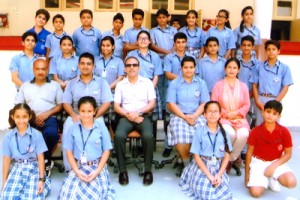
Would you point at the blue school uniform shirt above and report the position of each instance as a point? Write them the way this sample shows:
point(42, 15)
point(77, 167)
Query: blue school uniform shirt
point(211, 72)
point(226, 39)
point(65, 68)
point(31, 144)
point(172, 63)
point(131, 34)
point(202, 145)
point(98, 142)
point(187, 96)
point(40, 47)
point(271, 80)
point(22, 64)
point(53, 43)
point(246, 70)
point(150, 65)
point(118, 51)
point(87, 41)
point(97, 88)
point(253, 31)
point(195, 38)
point(113, 67)
point(164, 38)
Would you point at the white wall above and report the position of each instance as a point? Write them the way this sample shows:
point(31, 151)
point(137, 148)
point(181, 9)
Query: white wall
point(290, 115)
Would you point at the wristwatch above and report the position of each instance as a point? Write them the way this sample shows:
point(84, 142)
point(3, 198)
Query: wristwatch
point(140, 112)
point(42, 179)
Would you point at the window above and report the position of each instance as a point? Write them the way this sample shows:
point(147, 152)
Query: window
point(284, 10)
point(115, 5)
point(173, 6)
point(62, 4)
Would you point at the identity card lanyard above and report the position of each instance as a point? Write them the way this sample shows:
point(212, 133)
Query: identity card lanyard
point(83, 155)
point(213, 159)
point(29, 150)
point(105, 65)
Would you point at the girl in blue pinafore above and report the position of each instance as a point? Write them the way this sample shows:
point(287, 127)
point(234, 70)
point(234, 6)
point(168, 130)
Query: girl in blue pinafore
point(205, 177)
point(87, 147)
point(24, 145)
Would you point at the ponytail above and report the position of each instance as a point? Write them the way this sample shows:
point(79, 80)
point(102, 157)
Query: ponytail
point(224, 136)
point(242, 26)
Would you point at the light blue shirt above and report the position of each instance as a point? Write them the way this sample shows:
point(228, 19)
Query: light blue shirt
point(202, 145)
point(41, 41)
point(196, 37)
point(246, 70)
point(98, 142)
point(109, 69)
point(271, 80)
point(31, 144)
point(253, 31)
point(65, 68)
point(150, 65)
point(164, 38)
point(187, 96)
point(87, 41)
point(53, 43)
point(97, 88)
point(226, 39)
point(172, 63)
point(131, 34)
point(22, 64)
point(118, 51)
point(211, 72)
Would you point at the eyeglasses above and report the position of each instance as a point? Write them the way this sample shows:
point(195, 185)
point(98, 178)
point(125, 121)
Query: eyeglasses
point(132, 65)
point(143, 39)
point(221, 16)
point(213, 112)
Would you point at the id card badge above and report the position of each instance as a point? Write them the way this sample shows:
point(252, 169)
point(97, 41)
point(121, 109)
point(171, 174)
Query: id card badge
point(103, 74)
point(83, 158)
point(213, 160)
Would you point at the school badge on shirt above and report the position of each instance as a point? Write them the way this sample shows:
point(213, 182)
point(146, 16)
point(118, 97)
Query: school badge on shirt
point(95, 94)
point(280, 147)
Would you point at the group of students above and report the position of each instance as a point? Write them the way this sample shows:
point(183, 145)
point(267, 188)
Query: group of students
point(207, 81)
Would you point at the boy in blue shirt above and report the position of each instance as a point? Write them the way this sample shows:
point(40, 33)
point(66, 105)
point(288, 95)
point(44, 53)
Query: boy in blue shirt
point(41, 18)
point(271, 79)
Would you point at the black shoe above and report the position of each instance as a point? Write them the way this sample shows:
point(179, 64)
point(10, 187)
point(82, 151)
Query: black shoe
point(148, 178)
point(123, 178)
point(237, 169)
point(48, 167)
point(167, 152)
point(180, 168)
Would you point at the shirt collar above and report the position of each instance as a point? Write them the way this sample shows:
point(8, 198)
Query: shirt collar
point(207, 58)
point(208, 130)
point(167, 28)
point(28, 130)
point(47, 80)
point(111, 33)
point(181, 79)
point(92, 28)
point(59, 36)
point(138, 80)
point(78, 79)
point(148, 53)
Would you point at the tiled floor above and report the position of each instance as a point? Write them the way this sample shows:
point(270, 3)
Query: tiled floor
point(165, 184)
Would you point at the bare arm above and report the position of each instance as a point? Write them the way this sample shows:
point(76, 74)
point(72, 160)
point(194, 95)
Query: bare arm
point(130, 47)
point(113, 84)
point(203, 167)
point(158, 49)
point(15, 79)
point(40, 118)
point(81, 175)
point(41, 165)
point(68, 108)
point(247, 163)
point(255, 96)
point(102, 109)
point(282, 93)
point(155, 80)
point(101, 165)
point(228, 54)
point(170, 76)
point(5, 172)
point(202, 52)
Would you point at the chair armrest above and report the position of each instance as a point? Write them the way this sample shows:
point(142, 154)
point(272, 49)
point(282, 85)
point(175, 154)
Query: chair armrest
point(252, 119)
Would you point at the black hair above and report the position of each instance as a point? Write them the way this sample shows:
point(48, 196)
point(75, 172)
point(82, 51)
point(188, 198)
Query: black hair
point(220, 125)
point(273, 42)
point(234, 59)
point(141, 32)
point(175, 20)
point(87, 55)
point(66, 37)
point(119, 16)
point(180, 35)
point(162, 11)
point(242, 13)
point(227, 24)
point(84, 11)
point(29, 33)
point(43, 12)
point(109, 38)
point(87, 99)
point(137, 11)
point(248, 38)
point(131, 57)
point(58, 16)
point(194, 12)
point(18, 107)
point(188, 59)
point(275, 105)
point(212, 39)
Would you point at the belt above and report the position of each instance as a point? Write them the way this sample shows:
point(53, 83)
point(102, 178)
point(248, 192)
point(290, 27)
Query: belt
point(266, 95)
point(29, 160)
point(210, 157)
point(89, 163)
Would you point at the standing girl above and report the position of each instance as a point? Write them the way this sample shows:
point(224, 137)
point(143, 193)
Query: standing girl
point(205, 177)
point(247, 28)
point(87, 147)
point(64, 66)
point(25, 146)
point(224, 34)
point(195, 35)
